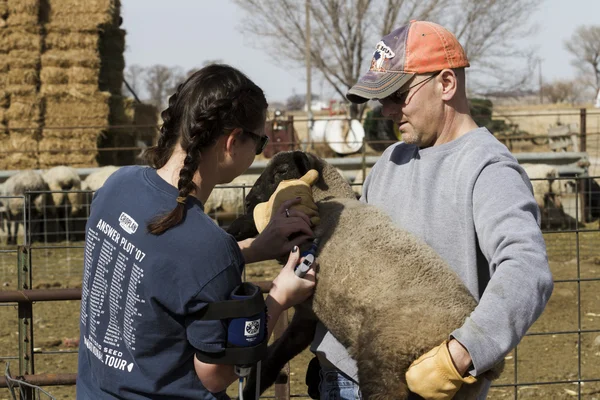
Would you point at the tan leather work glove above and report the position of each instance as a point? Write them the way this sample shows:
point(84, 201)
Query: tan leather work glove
point(287, 190)
point(433, 376)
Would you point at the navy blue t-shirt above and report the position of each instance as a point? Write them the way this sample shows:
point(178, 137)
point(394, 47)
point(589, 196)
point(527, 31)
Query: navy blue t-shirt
point(138, 338)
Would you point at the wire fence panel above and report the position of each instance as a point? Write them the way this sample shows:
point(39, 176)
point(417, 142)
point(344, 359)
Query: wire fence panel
point(559, 358)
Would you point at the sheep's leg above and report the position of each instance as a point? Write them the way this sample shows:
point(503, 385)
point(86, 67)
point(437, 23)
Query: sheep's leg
point(294, 340)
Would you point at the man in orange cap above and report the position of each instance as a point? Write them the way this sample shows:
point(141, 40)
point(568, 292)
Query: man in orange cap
point(452, 184)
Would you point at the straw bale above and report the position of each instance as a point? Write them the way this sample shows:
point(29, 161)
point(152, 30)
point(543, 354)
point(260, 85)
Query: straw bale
point(72, 130)
point(90, 111)
point(74, 160)
point(77, 90)
point(82, 22)
point(54, 76)
point(83, 75)
point(3, 8)
point(23, 59)
point(71, 58)
point(3, 63)
point(60, 7)
point(18, 160)
point(21, 90)
point(2, 22)
point(20, 39)
point(84, 144)
point(23, 142)
point(23, 6)
point(24, 109)
point(73, 134)
point(3, 79)
point(4, 100)
point(22, 19)
point(60, 40)
point(2, 116)
point(28, 76)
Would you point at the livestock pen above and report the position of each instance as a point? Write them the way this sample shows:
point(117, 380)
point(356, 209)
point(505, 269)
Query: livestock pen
point(41, 281)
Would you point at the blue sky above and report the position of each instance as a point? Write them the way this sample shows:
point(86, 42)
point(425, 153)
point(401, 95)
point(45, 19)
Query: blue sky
point(188, 32)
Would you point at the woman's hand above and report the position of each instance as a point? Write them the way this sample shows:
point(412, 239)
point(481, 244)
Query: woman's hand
point(281, 234)
point(288, 289)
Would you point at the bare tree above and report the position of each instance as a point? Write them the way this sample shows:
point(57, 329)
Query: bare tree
point(562, 91)
point(161, 81)
point(585, 46)
point(344, 32)
point(134, 74)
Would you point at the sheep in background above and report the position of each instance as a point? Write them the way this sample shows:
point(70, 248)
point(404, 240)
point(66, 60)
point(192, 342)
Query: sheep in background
point(41, 203)
point(96, 179)
point(391, 280)
point(230, 199)
point(61, 179)
point(546, 191)
point(3, 215)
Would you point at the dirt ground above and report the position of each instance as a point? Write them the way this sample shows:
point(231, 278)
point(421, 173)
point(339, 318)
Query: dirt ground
point(541, 358)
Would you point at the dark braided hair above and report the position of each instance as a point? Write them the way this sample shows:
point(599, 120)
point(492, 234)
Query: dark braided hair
point(212, 101)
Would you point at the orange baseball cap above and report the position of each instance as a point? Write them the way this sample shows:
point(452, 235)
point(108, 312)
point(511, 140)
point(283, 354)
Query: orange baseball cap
point(416, 48)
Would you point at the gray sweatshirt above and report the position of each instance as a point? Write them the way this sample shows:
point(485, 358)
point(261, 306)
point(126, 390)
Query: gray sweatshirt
point(471, 201)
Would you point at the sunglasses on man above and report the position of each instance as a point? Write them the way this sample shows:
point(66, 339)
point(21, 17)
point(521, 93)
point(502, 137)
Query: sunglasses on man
point(400, 96)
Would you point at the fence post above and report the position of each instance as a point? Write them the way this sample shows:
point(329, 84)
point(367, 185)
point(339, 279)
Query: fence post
point(282, 384)
point(290, 129)
point(25, 312)
point(582, 129)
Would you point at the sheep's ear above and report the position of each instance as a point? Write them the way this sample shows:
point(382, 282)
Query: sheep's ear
point(302, 162)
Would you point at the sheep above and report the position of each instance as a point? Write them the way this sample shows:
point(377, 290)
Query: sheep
point(96, 179)
point(229, 199)
point(546, 191)
point(375, 283)
point(17, 185)
point(60, 180)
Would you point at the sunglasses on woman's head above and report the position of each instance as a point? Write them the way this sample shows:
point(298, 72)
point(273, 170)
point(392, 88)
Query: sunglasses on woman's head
point(260, 140)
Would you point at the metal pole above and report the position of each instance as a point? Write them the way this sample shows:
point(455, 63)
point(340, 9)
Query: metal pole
point(308, 72)
point(25, 315)
point(583, 129)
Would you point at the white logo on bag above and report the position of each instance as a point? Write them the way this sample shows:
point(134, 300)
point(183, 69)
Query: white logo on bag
point(252, 328)
point(128, 223)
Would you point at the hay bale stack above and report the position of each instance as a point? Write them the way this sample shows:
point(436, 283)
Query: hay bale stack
point(81, 73)
point(23, 118)
point(21, 107)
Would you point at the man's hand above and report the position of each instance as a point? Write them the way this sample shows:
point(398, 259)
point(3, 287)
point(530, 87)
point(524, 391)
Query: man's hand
point(288, 190)
point(434, 375)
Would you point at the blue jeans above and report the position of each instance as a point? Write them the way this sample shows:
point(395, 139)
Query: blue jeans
point(335, 385)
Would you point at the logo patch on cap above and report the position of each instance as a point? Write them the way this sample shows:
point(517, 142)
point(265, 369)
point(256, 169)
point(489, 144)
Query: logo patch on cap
point(382, 53)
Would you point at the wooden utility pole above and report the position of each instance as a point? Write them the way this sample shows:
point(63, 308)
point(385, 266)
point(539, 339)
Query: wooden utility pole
point(308, 72)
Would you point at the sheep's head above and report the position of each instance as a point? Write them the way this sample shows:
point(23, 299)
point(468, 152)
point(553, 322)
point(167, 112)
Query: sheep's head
point(284, 166)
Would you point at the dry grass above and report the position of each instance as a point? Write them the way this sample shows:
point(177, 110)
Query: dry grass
point(4, 99)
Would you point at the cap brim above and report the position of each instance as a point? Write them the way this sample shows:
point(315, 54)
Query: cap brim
point(377, 85)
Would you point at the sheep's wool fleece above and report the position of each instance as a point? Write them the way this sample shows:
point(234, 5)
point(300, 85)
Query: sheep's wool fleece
point(471, 201)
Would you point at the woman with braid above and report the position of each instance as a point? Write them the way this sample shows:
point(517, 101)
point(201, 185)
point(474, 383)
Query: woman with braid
point(153, 258)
